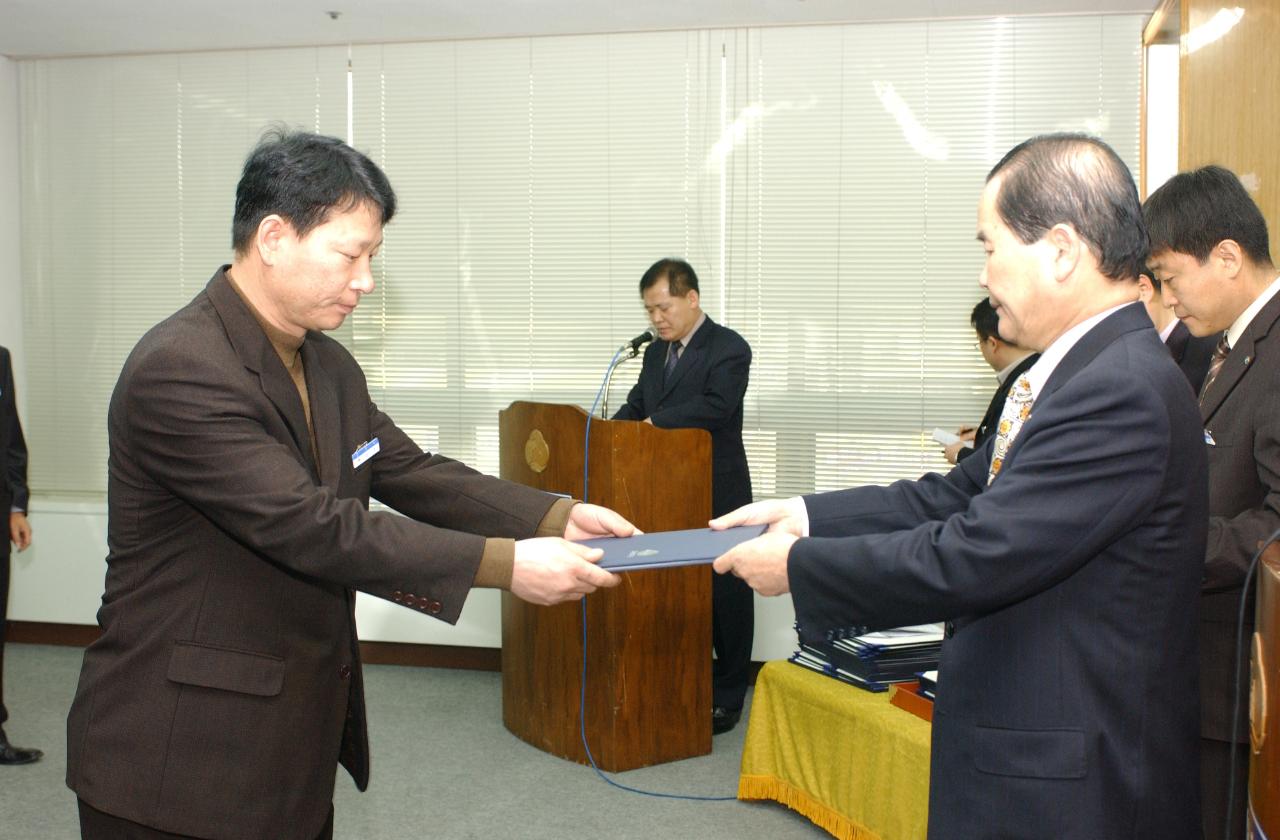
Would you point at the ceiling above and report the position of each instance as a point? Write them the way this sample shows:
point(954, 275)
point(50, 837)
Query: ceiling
point(40, 28)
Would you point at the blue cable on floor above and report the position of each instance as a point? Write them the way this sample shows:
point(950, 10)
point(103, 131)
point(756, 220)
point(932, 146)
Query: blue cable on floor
point(582, 682)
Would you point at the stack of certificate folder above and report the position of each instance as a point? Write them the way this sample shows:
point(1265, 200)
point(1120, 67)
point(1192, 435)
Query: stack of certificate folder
point(873, 660)
point(928, 685)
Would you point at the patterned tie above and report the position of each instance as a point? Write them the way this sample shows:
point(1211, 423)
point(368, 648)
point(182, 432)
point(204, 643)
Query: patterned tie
point(673, 356)
point(1220, 352)
point(1016, 411)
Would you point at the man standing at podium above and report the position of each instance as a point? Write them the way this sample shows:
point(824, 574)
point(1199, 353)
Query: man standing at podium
point(695, 376)
point(1067, 552)
point(1211, 251)
point(226, 687)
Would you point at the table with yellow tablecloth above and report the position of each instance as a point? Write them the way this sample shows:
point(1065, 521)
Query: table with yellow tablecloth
point(845, 758)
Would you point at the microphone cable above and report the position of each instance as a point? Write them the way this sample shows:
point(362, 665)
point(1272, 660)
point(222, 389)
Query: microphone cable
point(1235, 713)
point(582, 677)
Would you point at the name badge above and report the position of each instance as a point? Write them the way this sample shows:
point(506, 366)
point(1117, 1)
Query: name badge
point(366, 451)
point(1208, 438)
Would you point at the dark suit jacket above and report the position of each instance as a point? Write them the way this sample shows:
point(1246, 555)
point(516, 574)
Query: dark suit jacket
point(13, 448)
point(1241, 413)
point(991, 419)
point(1067, 703)
point(226, 685)
point(1191, 353)
point(705, 392)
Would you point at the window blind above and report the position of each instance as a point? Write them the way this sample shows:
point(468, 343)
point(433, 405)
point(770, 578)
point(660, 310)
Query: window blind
point(822, 180)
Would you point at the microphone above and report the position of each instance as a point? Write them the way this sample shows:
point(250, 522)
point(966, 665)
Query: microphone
point(643, 338)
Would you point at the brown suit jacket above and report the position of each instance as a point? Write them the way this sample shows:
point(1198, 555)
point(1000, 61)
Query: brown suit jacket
point(226, 685)
point(1241, 413)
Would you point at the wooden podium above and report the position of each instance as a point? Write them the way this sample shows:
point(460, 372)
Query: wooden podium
point(648, 648)
point(1264, 702)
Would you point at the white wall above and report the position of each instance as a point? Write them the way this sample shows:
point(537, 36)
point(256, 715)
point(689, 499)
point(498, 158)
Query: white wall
point(59, 579)
point(10, 227)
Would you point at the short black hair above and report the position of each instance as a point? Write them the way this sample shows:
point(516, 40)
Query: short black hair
point(1193, 211)
point(303, 177)
point(985, 321)
point(1077, 180)
point(679, 275)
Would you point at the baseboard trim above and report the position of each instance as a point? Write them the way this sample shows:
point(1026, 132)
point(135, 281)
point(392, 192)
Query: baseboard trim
point(458, 657)
point(47, 633)
point(431, 656)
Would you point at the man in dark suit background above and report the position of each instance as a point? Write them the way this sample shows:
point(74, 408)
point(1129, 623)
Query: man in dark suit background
point(13, 499)
point(1067, 552)
point(1210, 250)
point(1008, 360)
point(244, 448)
point(1192, 353)
point(695, 376)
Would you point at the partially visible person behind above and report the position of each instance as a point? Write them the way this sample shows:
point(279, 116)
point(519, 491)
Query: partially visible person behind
point(13, 499)
point(1068, 554)
point(695, 376)
point(1192, 353)
point(226, 687)
point(1211, 253)
point(1008, 360)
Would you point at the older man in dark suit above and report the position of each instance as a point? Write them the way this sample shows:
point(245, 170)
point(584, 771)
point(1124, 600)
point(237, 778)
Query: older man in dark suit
point(1067, 552)
point(1210, 250)
point(13, 500)
point(244, 449)
point(695, 376)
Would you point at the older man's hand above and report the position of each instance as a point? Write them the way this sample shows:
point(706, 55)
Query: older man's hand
point(786, 515)
point(761, 562)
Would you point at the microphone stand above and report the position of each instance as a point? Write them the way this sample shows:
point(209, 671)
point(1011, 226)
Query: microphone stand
point(618, 360)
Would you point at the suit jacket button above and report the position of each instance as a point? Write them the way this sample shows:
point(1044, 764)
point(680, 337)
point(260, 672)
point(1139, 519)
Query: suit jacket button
point(345, 672)
point(397, 596)
point(434, 607)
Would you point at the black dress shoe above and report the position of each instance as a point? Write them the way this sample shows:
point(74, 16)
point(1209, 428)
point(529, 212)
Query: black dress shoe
point(723, 719)
point(9, 754)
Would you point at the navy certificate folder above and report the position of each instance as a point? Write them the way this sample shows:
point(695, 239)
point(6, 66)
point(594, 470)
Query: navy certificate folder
point(670, 548)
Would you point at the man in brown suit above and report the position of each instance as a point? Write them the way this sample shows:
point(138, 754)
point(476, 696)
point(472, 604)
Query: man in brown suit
point(1209, 250)
point(244, 448)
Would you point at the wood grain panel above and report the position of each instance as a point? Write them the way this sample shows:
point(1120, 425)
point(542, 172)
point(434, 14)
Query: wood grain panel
point(1229, 108)
point(1264, 724)
point(648, 655)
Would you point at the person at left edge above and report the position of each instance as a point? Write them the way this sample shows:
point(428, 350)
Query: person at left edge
point(13, 499)
point(695, 376)
point(244, 447)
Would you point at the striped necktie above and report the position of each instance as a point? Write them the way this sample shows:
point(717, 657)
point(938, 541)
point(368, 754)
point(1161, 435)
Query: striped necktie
point(673, 356)
point(1219, 356)
point(1016, 411)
